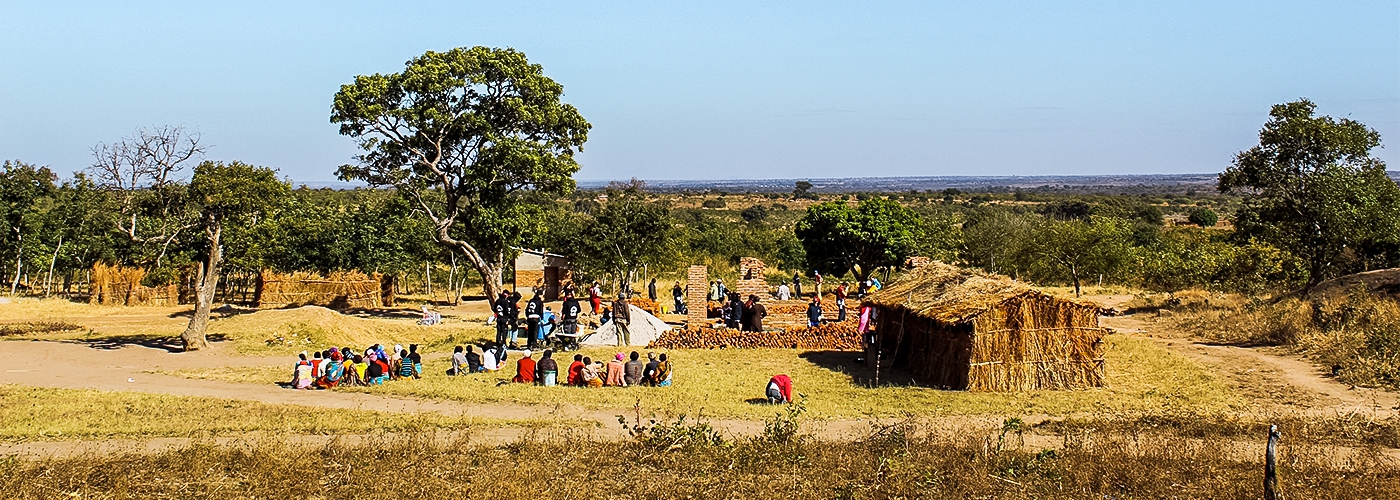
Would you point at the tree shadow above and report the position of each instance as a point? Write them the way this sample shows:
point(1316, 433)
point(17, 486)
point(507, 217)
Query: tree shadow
point(862, 373)
point(167, 344)
point(384, 313)
point(225, 311)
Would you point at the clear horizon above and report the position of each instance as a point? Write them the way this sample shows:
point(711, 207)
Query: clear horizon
point(724, 91)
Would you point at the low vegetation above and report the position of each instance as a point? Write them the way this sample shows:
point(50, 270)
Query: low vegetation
point(1357, 335)
point(688, 460)
point(32, 413)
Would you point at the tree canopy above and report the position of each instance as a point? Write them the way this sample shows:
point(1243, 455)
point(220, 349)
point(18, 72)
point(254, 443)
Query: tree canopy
point(1313, 188)
point(465, 134)
point(876, 233)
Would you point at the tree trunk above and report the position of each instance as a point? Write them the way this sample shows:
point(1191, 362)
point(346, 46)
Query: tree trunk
point(19, 263)
point(48, 282)
point(194, 334)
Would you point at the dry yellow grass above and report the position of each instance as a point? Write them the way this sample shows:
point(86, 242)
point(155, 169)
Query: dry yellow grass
point(1142, 377)
point(32, 413)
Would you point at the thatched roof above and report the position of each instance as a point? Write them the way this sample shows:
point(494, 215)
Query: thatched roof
point(952, 295)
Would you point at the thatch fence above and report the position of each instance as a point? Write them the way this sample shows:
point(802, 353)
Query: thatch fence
point(121, 286)
point(339, 290)
point(963, 329)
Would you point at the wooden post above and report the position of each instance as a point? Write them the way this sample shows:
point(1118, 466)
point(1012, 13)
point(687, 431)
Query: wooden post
point(1270, 466)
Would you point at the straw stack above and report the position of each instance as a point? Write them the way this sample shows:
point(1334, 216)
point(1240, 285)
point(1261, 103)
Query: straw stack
point(340, 290)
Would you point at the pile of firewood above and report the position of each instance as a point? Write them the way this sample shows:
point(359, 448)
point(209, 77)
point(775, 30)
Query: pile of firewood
point(830, 336)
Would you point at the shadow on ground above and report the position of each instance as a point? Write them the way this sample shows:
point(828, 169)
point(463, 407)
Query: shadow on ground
point(862, 373)
point(168, 344)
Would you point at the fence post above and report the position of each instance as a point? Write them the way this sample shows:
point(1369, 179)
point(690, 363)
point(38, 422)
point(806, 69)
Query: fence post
point(1270, 465)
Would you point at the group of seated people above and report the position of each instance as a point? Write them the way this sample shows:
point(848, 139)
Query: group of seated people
point(621, 371)
point(584, 372)
point(343, 366)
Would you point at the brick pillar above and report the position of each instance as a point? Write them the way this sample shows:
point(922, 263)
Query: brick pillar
point(697, 281)
point(751, 280)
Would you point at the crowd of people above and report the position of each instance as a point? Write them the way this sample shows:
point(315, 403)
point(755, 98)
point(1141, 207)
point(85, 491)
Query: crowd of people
point(344, 366)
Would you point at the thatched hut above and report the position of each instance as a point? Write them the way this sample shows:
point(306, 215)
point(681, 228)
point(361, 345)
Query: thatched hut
point(969, 330)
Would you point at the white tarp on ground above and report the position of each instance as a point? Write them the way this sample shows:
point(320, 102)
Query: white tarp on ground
point(644, 328)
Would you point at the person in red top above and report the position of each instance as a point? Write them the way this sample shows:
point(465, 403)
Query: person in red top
point(779, 389)
point(595, 297)
point(525, 369)
point(576, 371)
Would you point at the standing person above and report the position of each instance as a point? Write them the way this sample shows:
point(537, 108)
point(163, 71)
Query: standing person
point(797, 283)
point(756, 314)
point(502, 308)
point(814, 312)
point(534, 313)
point(714, 291)
point(617, 372)
point(817, 278)
point(678, 294)
point(595, 297)
point(735, 309)
point(525, 369)
point(841, 303)
point(569, 311)
point(514, 314)
point(723, 292)
point(651, 290)
point(632, 371)
point(783, 292)
point(547, 370)
point(622, 318)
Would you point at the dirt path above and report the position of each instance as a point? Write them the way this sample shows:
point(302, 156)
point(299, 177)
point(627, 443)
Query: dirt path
point(1267, 375)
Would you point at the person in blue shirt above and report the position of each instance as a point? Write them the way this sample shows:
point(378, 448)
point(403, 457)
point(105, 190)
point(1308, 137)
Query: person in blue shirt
point(547, 323)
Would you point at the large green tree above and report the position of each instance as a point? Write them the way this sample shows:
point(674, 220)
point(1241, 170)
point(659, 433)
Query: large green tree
point(466, 134)
point(1312, 188)
point(233, 194)
point(22, 187)
point(1073, 250)
point(876, 233)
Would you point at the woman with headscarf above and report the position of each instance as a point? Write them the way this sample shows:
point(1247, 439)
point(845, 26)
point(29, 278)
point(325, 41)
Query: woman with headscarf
point(331, 371)
point(616, 372)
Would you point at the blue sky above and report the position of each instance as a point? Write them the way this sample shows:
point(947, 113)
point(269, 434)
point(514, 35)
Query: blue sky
point(678, 90)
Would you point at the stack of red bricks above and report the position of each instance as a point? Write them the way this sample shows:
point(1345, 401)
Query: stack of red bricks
point(697, 281)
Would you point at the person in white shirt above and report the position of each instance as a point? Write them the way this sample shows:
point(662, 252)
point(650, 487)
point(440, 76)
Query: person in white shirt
point(783, 292)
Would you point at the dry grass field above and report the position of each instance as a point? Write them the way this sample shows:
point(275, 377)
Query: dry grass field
point(727, 383)
point(1168, 425)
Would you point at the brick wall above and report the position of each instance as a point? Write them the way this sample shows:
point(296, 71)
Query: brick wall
point(751, 280)
point(697, 281)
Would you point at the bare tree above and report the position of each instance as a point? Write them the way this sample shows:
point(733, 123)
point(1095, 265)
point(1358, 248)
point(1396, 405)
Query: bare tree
point(143, 173)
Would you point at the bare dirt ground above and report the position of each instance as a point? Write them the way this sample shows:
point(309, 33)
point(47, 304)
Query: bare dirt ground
point(1271, 377)
point(1268, 375)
